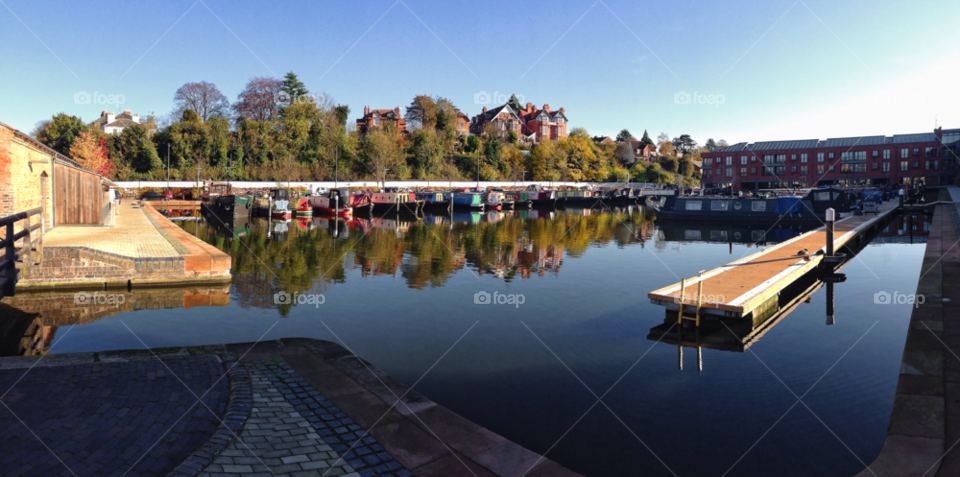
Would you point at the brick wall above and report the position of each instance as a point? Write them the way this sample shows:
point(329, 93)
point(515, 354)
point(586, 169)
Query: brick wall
point(21, 167)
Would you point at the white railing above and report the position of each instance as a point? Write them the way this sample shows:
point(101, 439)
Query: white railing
point(375, 184)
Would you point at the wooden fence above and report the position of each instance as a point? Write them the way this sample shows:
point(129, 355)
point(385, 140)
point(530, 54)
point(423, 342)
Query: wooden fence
point(9, 273)
point(79, 197)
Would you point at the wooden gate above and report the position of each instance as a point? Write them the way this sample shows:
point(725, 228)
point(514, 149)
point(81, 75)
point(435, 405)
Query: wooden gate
point(78, 197)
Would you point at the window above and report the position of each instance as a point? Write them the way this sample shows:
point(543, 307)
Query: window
point(729, 172)
point(769, 158)
point(729, 160)
point(753, 170)
point(886, 154)
point(743, 171)
point(855, 156)
point(793, 169)
point(876, 165)
point(781, 158)
point(803, 158)
point(886, 167)
point(916, 164)
point(916, 151)
point(820, 169)
point(759, 206)
point(793, 157)
point(719, 205)
point(693, 205)
point(831, 155)
point(707, 162)
point(875, 153)
point(931, 152)
point(904, 165)
point(719, 171)
point(743, 160)
point(804, 170)
point(376, 121)
point(904, 153)
point(753, 158)
point(819, 157)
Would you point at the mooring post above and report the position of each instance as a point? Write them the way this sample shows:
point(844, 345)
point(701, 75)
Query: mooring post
point(831, 219)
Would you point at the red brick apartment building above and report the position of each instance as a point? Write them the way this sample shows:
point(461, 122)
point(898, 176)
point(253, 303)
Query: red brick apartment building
point(865, 160)
point(378, 118)
point(531, 125)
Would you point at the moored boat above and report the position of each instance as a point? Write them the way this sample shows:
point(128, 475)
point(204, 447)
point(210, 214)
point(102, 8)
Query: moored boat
point(467, 200)
point(395, 201)
point(790, 207)
point(222, 201)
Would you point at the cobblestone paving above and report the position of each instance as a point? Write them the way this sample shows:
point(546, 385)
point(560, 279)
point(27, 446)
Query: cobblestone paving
point(132, 235)
point(104, 418)
point(293, 430)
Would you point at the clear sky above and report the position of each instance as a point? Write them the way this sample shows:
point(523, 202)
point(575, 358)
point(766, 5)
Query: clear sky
point(790, 69)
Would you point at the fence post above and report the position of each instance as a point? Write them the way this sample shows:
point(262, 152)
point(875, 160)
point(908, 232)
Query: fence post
point(10, 284)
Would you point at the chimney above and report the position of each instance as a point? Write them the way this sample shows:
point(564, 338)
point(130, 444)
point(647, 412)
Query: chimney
point(528, 109)
point(563, 111)
point(397, 110)
point(484, 109)
point(546, 107)
point(366, 110)
point(136, 118)
point(110, 117)
point(126, 111)
point(103, 113)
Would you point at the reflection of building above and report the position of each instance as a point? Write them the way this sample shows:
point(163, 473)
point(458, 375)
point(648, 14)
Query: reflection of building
point(30, 320)
point(912, 228)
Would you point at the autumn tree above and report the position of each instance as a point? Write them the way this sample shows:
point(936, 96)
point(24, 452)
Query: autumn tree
point(546, 161)
point(258, 100)
point(202, 98)
point(422, 112)
point(382, 152)
point(59, 132)
point(624, 154)
point(90, 151)
point(684, 143)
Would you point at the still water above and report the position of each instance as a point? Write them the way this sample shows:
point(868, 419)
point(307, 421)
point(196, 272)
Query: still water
point(403, 293)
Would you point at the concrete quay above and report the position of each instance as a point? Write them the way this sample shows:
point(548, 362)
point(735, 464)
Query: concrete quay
point(923, 438)
point(140, 248)
point(290, 407)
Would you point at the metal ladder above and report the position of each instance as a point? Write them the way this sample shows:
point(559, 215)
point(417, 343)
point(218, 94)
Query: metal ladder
point(696, 317)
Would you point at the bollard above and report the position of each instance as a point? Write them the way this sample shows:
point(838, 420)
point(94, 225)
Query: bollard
point(831, 219)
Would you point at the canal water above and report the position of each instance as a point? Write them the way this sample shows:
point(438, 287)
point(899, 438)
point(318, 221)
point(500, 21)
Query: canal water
point(537, 326)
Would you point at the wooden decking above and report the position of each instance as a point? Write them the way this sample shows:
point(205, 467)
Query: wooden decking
point(740, 287)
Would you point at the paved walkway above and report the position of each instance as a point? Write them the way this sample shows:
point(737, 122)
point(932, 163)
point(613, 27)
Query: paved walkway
point(131, 235)
point(106, 419)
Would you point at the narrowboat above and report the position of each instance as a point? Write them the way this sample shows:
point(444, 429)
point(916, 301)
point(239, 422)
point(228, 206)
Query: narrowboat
point(803, 206)
point(222, 201)
point(544, 198)
point(520, 199)
point(280, 209)
point(492, 200)
point(329, 205)
point(434, 200)
point(581, 197)
point(395, 201)
point(358, 201)
point(467, 200)
point(303, 208)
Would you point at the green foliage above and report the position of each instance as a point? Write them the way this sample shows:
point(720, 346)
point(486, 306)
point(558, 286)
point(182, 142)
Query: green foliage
point(624, 136)
point(293, 87)
point(646, 138)
point(60, 132)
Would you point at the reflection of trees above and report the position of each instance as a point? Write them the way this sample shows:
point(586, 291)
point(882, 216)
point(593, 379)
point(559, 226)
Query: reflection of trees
point(426, 255)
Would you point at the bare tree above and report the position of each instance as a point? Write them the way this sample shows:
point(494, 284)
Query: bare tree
point(258, 100)
point(202, 98)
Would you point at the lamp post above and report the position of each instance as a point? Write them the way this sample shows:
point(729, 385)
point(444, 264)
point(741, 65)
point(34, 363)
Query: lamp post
point(168, 165)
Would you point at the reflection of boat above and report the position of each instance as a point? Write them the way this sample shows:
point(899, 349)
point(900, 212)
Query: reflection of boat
point(469, 218)
point(694, 231)
point(229, 226)
point(809, 206)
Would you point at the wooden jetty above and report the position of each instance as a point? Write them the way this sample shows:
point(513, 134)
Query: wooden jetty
point(753, 283)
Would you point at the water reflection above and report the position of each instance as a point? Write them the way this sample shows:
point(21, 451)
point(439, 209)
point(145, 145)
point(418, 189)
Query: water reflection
point(31, 320)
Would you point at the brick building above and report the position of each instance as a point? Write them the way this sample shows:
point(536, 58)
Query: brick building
point(378, 118)
point(111, 123)
point(462, 124)
point(865, 160)
point(531, 124)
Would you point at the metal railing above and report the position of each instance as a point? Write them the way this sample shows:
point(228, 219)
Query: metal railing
point(9, 272)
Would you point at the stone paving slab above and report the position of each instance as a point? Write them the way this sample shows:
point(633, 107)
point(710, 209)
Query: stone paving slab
point(132, 235)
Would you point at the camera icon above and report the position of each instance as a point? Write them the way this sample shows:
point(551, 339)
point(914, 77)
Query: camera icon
point(881, 298)
point(81, 97)
point(282, 298)
point(481, 298)
point(682, 97)
point(482, 97)
point(81, 298)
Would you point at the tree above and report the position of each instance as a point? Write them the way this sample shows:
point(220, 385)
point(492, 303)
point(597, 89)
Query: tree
point(60, 132)
point(382, 151)
point(136, 149)
point(293, 88)
point(624, 136)
point(342, 112)
point(258, 100)
point(646, 138)
point(722, 144)
point(91, 152)
point(666, 149)
point(710, 146)
point(422, 112)
point(669, 163)
point(426, 153)
point(546, 161)
point(684, 143)
point(662, 138)
point(202, 98)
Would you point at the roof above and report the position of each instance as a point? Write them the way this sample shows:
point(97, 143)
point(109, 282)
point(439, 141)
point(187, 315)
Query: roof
point(920, 137)
point(122, 123)
point(43, 147)
point(768, 145)
point(853, 141)
point(848, 142)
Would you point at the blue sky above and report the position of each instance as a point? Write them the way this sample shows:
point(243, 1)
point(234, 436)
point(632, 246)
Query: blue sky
point(785, 69)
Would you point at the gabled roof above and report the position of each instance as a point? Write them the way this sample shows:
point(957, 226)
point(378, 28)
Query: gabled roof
point(122, 123)
point(492, 113)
